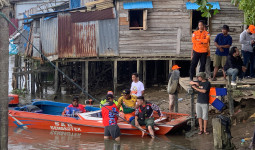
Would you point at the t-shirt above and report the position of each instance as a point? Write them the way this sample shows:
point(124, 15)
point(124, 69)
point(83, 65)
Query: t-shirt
point(71, 110)
point(109, 117)
point(137, 88)
point(203, 98)
point(221, 39)
point(128, 105)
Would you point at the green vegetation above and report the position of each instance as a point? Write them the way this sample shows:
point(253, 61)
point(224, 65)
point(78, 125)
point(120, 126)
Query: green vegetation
point(206, 8)
point(19, 91)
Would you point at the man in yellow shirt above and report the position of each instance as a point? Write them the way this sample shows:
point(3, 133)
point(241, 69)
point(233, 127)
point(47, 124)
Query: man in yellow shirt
point(128, 103)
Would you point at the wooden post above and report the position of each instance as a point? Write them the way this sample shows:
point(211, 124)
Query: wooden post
point(56, 79)
point(220, 135)
point(115, 81)
point(144, 73)
point(156, 71)
point(138, 67)
point(32, 80)
point(230, 100)
point(167, 69)
point(192, 111)
point(83, 75)
point(176, 102)
point(86, 77)
point(217, 140)
point(170, 64)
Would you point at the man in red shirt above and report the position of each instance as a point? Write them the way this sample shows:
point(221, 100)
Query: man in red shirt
point(110, 119)
point(74, 108)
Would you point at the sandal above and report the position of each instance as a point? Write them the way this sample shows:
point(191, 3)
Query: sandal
point(200, 132)
point(206, 133)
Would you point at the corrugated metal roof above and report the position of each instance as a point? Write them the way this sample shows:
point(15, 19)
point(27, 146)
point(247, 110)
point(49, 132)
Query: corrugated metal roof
point(108, 37)
point(190, 5)
point(76, 40)
point(49, 36)
point(93, 15)
point(138, 5)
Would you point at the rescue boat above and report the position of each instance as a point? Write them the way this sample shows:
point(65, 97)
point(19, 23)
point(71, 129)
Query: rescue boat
point(48, 115)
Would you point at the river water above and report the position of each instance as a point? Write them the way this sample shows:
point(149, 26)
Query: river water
point(33, 139)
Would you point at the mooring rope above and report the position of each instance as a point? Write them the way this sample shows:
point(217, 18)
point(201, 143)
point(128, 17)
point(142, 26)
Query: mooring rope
point(79, 87)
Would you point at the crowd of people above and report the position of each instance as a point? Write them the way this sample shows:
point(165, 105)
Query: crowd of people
point(137, 111)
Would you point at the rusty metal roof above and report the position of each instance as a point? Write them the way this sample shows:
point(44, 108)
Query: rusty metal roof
point(76, 40)
point(108, 13)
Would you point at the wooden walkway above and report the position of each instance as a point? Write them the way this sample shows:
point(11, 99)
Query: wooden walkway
point(184, 82)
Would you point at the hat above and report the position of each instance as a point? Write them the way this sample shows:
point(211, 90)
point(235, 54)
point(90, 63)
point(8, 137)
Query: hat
point(175, 67)
point(201, 74)
point(252, 29)
point(126, 91)
point(109, 96)
point(225, 27)
point(75, 98)
point(110, 92)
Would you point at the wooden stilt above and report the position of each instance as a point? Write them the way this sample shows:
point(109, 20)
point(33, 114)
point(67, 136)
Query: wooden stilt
point(56, 79)
point(156, 71)
point(192, 111)
point(170, 65)
point(144, 73)
point(230, 100)
point(138, 67)
point(32, 81)
point(115, 76)
point(86, 77)
point(167, 69)
point(83, 75)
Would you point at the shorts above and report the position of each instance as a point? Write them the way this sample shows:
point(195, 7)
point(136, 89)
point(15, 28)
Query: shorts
point(202, 111)
point(113, 131)
point(147, 122)
point(219, 61)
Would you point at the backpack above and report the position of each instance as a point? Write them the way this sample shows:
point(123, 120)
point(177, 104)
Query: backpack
point(173, 82)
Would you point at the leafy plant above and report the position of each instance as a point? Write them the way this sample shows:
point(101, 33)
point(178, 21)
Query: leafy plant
point(206, 8)
point(248, 7)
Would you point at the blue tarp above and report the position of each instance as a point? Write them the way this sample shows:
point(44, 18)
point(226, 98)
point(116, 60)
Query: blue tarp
point(75, 4)
point(13, 49)
point(138, 5)
point(190, 5)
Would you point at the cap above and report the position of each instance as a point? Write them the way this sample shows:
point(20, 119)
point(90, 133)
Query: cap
point(225, 27)
point(175, 67)
point(201, 74)
point(75, 98)
point(110, 92)
point(252, 29)
point(109, 96)
point(126, 91)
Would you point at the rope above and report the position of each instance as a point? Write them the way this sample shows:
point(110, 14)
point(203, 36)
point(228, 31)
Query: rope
point(78, 86)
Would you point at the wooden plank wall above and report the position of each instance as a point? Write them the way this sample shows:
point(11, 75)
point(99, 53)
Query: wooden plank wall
point(160, 39)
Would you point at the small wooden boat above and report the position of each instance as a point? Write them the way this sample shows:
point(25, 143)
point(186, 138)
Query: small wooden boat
point(48, 115)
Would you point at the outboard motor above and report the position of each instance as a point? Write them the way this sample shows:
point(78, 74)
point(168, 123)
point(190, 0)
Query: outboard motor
point(13, 100)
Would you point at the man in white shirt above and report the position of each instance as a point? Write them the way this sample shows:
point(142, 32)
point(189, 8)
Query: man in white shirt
point(137, 87)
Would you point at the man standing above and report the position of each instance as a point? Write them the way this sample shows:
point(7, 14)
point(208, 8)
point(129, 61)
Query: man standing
point(173, 82)
point(200, 40)
point(137, 87)
point(223, 41)
point(144, 115)
point(234, 65)
point(247, 38)
point(202, 105)
point(109, 115)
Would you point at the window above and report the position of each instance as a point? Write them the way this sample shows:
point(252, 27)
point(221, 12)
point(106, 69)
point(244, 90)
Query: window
point(197, 16)
point(137, 19)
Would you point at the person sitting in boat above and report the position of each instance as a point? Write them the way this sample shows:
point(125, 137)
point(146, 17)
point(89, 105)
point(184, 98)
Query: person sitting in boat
point(109, 114)
point(74, 108)
point(144, 115)
point(128, 103)
point(105, 100)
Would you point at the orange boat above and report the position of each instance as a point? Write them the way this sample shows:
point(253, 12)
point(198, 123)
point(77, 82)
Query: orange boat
point(47, 115)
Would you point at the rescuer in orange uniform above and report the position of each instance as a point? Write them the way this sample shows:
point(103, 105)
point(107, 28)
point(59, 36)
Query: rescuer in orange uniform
point(200, 40)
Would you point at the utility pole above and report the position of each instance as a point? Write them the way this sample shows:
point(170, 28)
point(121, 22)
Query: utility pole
point(4, 65)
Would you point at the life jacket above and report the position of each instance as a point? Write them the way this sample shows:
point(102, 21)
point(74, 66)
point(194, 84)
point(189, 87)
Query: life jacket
point(104, 101)
point(145, 111)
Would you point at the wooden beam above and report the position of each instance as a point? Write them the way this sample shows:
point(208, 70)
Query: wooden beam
point(138, 67)
point(217, 134)
point(56, 79)
point(86, 77)
point(115, 81)
point(144, 73)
